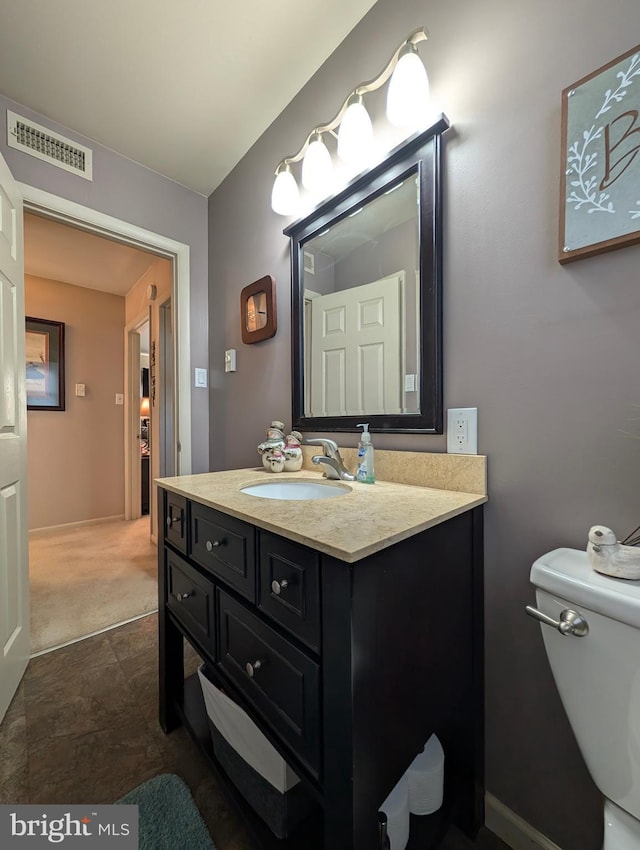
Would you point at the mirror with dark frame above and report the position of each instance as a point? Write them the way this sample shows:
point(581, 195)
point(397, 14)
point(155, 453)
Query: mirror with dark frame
point(367, 298)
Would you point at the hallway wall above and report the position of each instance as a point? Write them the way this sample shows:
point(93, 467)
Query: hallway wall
point(76, 455)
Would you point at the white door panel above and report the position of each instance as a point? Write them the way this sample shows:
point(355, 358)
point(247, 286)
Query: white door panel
point(356, 352)
point(14, 571)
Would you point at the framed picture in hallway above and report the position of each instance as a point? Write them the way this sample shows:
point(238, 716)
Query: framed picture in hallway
point(600, 185)
point(44, 354)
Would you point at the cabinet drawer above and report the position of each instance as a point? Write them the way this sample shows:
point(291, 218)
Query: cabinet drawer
point(226, 546)
point(278, 679)
point(175, 520)
point(289, 586)
point(191, 597)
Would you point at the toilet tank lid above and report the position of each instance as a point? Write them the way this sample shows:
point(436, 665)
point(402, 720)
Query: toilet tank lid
point(568, 573)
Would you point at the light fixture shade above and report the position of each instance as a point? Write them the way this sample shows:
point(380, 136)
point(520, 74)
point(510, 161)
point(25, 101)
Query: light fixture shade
point(408, 92)
point(355, 136)
point(317, 168)
point(285, 195)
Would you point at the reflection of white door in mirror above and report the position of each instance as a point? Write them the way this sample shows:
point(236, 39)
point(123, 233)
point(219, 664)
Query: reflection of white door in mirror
point(309, 295)
point(355, 361)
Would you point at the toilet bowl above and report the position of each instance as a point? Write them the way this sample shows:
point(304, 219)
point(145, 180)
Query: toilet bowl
point(594, 654)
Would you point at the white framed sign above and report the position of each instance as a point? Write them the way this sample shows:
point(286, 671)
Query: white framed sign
point(600, 183)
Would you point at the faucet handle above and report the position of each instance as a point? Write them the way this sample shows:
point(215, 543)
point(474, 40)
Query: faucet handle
point(330, 446)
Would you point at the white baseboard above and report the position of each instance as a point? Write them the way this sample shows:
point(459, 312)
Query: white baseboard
point(33, 532)
point(512, 829)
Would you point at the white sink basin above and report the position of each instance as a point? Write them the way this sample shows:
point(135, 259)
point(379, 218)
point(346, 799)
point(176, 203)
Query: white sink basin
point(296, 490)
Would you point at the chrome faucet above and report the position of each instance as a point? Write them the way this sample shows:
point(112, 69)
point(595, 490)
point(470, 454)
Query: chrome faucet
point(331, 460)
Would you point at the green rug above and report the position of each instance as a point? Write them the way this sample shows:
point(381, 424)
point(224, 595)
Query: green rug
point(169, 819)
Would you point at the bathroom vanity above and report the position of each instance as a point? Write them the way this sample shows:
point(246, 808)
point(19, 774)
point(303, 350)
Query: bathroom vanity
point(349, 629)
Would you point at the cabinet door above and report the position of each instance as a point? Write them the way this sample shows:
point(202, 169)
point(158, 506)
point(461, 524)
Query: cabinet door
point(276, 677)
point(190, 596)
point(289, 586)
point(226, 546)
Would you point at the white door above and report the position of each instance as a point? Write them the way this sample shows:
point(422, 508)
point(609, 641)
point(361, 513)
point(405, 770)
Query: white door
point(14, 552)
point(356, 356)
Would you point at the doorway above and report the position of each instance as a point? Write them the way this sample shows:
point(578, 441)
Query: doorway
point(178, 265)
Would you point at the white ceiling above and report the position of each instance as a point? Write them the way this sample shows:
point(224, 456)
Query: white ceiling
point(184, 88)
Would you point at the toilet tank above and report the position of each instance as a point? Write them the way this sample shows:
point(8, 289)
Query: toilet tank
point(598, 675)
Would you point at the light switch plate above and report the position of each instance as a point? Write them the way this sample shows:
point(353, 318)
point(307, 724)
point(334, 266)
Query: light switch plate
point(119, 398)
point(230, 360)
point(200, 377)
point(80, 389)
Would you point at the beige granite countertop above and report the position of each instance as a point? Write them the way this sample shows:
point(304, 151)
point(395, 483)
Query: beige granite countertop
point(367, 519)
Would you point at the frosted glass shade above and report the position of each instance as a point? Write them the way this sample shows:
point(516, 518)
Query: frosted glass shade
point(408, 93)
point(355, 136)
point(285, 195)
point(317, 169)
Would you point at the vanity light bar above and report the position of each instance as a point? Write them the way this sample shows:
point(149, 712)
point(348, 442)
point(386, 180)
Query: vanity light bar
point(407, 101)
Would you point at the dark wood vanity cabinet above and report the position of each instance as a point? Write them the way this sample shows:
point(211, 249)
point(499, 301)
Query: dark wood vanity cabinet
point(358, 663)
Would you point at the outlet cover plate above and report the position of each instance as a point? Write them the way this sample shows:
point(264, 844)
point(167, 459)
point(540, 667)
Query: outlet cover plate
point(462, 430)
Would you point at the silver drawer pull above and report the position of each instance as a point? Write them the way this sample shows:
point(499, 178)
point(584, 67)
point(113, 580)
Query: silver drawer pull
point(251, 668)
point(278, 586)
point(210, 544)
point(570, 622)
point(182, 596)
point(171, 519)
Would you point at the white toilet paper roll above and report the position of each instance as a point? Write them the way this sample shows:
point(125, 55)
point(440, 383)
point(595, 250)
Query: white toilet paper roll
point(396, 808)
point(425, 776)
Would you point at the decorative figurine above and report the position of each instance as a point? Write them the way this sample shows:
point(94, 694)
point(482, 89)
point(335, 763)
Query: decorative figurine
point(272, 449)
point(293, 452)
point(610, 557)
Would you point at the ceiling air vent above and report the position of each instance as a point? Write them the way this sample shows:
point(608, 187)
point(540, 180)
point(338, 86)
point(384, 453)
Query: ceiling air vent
point(31, 138)
point(309, 262)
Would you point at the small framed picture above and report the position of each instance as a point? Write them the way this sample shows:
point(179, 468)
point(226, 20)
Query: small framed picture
point(44, 354)
point(258, 310)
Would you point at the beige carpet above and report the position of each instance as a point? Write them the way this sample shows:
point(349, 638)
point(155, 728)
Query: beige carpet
point(88, 578)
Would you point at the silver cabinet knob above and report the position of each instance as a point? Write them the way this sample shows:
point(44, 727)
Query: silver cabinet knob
point(251, 668)
point(171, 519)
point(182, 596)
point(209, 545)
point(570, 622)
point(278, 586)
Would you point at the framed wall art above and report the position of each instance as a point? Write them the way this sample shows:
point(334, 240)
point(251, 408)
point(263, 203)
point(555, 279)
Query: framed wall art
point(44, 353)
point(600, 185)
point(258, 310)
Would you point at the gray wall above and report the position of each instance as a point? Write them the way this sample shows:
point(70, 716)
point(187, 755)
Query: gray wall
point(550, 355)
point(135, 194)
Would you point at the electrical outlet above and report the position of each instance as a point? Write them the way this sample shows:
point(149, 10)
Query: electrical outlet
point(462, 430)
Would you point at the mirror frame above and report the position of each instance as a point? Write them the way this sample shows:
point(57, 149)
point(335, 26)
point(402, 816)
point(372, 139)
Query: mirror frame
point(421, 153)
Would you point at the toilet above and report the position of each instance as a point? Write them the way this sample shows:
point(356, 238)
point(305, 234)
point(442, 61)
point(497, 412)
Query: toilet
point(595, 659)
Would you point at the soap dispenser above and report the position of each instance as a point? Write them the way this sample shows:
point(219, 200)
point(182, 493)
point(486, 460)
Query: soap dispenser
point(365, 472)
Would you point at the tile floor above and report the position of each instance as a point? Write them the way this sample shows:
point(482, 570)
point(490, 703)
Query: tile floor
point(83, 728)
